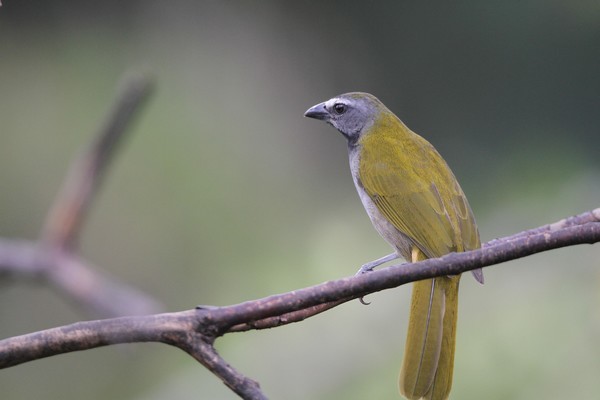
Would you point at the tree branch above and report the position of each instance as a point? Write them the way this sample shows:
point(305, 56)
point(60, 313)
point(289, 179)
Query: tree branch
point(194, 331)
point(203, 350)
point(580, 219)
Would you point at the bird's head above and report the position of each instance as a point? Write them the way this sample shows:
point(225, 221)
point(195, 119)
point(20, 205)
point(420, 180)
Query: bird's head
point(351, 113)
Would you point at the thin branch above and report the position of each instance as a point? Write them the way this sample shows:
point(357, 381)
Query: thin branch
point(580, 219)
point(287, 318)
point(194, 331)
point(201, 348)
point(85, 174)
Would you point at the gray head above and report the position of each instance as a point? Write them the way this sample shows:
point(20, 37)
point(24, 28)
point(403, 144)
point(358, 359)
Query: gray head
point(349, 113)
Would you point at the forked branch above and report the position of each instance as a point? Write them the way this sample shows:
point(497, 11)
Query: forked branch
point(52, 258)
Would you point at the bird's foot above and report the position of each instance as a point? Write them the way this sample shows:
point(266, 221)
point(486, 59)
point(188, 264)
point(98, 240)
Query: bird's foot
point(368, 267)
point(365, 268)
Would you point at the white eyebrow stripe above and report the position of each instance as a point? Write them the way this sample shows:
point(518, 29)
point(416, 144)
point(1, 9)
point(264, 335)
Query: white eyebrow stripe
point(329, 103)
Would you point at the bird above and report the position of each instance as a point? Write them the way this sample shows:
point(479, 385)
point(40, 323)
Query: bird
point(416, 204)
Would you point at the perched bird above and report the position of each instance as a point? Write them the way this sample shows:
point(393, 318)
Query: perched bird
point(416, 204)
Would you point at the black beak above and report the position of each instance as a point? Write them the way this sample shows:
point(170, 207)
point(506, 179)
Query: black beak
point(317, 112)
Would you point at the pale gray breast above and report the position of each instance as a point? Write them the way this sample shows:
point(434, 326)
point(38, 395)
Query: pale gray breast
point(400, 242)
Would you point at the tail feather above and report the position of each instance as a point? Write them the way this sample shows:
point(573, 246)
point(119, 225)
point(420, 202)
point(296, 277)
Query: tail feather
point(424, 339)
point(428, 361)
point(440, 390)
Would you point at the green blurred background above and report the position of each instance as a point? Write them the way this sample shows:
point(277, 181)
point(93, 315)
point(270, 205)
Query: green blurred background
point(225, 193)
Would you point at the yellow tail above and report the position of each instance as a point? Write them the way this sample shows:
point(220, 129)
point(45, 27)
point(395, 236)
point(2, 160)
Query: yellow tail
point(429, 351)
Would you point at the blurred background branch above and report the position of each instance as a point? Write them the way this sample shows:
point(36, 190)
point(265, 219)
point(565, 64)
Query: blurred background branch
point(52, 259)
point(85, 174)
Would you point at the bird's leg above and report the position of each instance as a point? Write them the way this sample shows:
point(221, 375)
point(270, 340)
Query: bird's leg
point(368, 267)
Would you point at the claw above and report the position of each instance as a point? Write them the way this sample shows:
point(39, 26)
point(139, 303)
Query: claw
point(368, 267)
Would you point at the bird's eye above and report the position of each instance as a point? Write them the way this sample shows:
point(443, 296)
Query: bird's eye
point(339, 108)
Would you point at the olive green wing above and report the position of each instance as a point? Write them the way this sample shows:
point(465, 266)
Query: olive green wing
point(413, 187)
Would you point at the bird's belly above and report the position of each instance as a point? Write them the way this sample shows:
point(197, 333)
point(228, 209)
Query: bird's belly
point(400, 242)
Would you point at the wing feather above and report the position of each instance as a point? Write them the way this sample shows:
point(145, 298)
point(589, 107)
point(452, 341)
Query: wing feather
point(413, 187)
